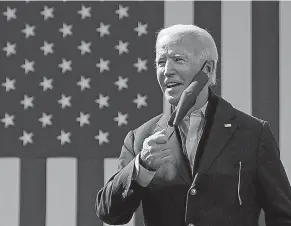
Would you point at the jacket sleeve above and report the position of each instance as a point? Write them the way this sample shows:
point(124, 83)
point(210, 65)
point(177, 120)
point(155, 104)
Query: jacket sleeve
point(120, 197)
point(274, 187)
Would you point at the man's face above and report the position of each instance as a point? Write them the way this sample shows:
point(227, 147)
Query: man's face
point(176, 65)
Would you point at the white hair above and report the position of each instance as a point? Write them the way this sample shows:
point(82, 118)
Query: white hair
point(204, 45)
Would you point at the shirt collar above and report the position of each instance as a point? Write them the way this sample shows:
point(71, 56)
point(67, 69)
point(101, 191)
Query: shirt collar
point(185, 122)
point(202, 109)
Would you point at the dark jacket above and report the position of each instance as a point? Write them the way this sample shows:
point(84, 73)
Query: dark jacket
point(237, 172)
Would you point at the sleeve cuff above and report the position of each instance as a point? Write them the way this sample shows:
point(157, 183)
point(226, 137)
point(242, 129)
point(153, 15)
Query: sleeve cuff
point(142, 176)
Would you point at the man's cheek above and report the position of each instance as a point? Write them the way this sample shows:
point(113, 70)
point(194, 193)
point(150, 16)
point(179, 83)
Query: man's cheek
point(162, 86)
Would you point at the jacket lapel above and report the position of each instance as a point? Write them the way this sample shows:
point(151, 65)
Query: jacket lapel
point(173, 141)
point(220, 126)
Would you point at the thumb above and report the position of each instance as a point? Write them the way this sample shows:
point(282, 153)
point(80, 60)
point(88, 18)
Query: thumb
point(163, 131)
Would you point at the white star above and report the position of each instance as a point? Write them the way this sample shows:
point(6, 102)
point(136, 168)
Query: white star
point(122, 47)
point(121, 119)
point(26, 138)
point(47, 12)
point(46, 120)
point(65, 65)
point(141, 29)
point(102, 137)
point(9, 49)
point(140, 65)
point(47, 48)
point(9, 84)
point(46, 84)
point(140, 100)
point(84, 47)
point(10, 13)
point(122, 11)
point(85, 12)
point(28, 66)
point(121, 83)
point(103, 65)
point(27, 102)
point(84, 83)
point(8, 120)
point(65, 101)
point(66, 30)
point(28, 30)
point(83, 119)
point(103, 29)
point(102, 101)
point(64, 137)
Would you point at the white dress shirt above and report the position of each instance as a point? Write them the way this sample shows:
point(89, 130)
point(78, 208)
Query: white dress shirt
point(191, 129)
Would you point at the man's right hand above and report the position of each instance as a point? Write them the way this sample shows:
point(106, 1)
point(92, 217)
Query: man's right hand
point(155, 151)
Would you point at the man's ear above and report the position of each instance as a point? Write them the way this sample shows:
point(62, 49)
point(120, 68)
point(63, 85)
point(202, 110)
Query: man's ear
point(208, 67)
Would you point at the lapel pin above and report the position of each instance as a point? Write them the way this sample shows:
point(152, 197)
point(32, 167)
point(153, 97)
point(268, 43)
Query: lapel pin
point(227, 125)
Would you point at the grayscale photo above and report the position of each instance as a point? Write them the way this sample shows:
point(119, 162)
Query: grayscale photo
point(145, 113)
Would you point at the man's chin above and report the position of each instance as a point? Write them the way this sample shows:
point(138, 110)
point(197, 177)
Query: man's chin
point(172, 100)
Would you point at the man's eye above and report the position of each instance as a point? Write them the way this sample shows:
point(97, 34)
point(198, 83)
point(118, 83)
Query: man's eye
point(179, 60)
point(161, 63)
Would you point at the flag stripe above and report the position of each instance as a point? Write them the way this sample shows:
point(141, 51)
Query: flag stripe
point(61, 192)
point(265, 66)
point(236, 54)
point(110, 168)
point(90, 180)
point(265, 63)
point(178, 12)
point(9, 192)
point(285, 81)
point(212, 23)
point(32, 193)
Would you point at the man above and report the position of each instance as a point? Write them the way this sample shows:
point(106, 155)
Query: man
point(217, 167)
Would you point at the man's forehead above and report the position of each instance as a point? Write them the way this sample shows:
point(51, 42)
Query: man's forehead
point(174, 43)
point(172, 51)
point(169, 39)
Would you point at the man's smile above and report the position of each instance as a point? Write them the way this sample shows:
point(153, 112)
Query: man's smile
point(172, 84)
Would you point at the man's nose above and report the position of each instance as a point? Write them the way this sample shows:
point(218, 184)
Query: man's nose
point(169, 68)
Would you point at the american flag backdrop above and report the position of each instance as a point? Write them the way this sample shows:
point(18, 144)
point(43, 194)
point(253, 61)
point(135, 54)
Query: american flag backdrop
point(77, 76)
